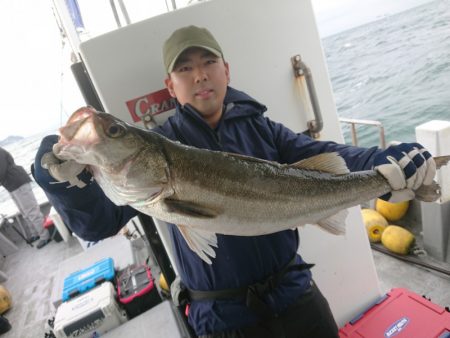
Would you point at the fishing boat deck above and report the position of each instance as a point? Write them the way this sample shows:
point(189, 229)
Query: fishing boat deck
point(32, 277)
point(394, 273)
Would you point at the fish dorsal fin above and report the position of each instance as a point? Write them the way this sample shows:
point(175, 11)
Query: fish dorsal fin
point(191, 209)
point(331, 163)
point(201, 242)
point(334, 224)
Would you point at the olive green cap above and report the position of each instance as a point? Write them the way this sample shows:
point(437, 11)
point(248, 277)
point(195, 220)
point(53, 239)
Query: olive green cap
point(187, 37)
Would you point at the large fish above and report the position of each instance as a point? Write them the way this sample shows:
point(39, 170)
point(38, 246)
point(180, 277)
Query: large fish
point(208, 192)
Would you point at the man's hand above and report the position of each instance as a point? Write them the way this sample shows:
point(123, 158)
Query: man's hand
point(48, 168)
point(63, 171)
point(406, 167)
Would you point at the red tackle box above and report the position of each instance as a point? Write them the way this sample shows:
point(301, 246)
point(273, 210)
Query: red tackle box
point(136, 290)
point(401, 314)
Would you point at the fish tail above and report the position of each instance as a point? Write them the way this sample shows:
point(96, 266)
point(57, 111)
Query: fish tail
point(428, 193)
point(432, 192)
point(441, 161)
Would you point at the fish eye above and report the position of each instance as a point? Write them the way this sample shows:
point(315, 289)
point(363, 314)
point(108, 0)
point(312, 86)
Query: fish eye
point(115, 130)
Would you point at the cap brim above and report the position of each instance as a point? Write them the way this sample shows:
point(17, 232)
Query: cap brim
point(191, 45)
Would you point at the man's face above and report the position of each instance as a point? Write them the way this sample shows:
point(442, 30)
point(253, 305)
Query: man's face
point(200, 78)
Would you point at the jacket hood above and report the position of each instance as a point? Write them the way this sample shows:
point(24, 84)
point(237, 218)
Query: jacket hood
point(237, 97)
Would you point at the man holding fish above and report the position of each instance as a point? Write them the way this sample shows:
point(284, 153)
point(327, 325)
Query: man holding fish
point(243, 274)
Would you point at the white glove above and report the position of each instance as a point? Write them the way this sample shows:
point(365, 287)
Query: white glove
point(406, 167)
point(63, 171)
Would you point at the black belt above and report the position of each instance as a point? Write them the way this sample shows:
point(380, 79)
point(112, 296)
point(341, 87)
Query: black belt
point(252, 294)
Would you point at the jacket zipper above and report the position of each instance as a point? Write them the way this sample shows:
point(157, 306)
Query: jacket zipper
point(215, 135)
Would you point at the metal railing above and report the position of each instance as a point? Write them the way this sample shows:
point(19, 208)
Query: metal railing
point(354, 122)
point(124, 11)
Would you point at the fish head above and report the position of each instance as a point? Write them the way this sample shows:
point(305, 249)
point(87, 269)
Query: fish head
point(97, 139)
point(126, 161)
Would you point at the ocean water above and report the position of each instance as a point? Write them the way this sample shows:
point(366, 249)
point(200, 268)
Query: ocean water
point(395, 70)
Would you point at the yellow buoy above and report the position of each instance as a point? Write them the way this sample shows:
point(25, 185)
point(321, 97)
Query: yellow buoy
point(5, 299)
point(397, 239)
point(391, 211)
point(163, 283)
point(375, 224)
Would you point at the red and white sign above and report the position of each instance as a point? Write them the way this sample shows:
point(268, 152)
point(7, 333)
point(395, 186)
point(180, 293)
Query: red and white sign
point(145, 107)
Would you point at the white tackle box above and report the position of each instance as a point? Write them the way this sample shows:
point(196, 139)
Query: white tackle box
point(90, 314)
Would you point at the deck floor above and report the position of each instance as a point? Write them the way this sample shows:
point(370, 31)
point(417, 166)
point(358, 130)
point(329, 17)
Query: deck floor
point(394, 273)
point(31, 275)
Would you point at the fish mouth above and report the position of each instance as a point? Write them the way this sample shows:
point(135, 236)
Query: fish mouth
point(81, 113)
point(71, 144)
point(154, 195)
point(76, 120)
point(66, 151)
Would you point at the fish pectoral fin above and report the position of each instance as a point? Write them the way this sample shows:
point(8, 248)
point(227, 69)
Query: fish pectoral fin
point(331, 163)
point(189, 208)
point(334, 224)
point(201, 242)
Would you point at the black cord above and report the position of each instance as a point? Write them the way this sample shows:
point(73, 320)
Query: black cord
point(410, 259)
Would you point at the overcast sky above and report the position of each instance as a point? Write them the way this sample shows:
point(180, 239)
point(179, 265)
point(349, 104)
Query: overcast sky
point(334, 16)
point(36, 97)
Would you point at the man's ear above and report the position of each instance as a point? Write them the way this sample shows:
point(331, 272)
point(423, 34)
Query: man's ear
point(227, 71)
point(169, 85)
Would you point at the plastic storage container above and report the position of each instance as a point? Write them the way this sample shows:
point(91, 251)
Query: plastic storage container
point(86, 279)
point(90, 315)
point(402, 314)
point(136, 290)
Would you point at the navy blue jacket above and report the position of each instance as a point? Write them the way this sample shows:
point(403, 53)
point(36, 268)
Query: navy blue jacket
point(240, 261)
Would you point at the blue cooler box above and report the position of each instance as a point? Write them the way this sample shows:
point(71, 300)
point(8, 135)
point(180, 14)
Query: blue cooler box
point(83, 280)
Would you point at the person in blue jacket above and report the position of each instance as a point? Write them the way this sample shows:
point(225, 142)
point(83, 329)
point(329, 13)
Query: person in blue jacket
point(256, 286)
